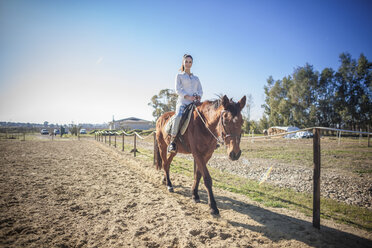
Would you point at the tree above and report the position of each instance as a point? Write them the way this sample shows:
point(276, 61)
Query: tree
point(354, 93)
point(276, 101)
point(165, 101)
point(263, 123)
point(246, 113)
point(334, 99)
point(301, 95)
point(248, 106)
point(326, 116)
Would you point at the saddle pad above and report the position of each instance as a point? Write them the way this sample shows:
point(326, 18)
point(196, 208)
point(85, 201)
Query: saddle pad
point(183, 128)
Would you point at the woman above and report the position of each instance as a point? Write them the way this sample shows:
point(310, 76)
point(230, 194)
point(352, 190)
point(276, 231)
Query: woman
point(189, 89)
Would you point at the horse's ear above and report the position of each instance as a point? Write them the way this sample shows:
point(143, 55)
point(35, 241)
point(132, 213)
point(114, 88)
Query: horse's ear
point(225, 101)
point(242, 102)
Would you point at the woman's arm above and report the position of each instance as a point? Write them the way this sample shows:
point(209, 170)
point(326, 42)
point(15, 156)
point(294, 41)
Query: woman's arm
point(200, 89)
point(179, 88)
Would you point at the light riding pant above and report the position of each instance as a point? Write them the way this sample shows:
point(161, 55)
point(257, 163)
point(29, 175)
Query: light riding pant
point(176, 124)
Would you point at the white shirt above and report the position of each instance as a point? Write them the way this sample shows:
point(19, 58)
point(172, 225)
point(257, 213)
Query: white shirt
point(187, 85)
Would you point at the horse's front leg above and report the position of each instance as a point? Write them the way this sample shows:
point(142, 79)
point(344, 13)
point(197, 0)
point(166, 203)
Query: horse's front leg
point(208, 184)
point(195, 186)
point(202, 166)
point(166, 172)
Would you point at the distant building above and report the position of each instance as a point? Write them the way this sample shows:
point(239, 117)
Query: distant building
point(131, 123)
point(279, 130)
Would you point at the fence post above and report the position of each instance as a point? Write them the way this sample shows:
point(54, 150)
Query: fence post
point(154, 148)
point(316, 178)
point(109, 139)
point(105, 137)
point(360, 135)
point(24, 136)
point(135, 145)
point(368, 136)
point(339, 137)
point(122, 149)
point(115, 140)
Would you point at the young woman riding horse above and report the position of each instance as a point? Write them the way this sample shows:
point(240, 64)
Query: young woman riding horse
point(188, 89)
point(212, 122)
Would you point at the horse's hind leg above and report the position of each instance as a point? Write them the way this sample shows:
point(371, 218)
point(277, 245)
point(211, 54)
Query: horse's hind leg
point(195, 186)
point(166, 166)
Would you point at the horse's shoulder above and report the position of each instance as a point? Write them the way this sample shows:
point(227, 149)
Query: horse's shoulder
point(163, 119)
point(166, 115)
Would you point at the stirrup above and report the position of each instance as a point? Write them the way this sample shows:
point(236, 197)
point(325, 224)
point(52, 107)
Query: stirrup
point(172, 147)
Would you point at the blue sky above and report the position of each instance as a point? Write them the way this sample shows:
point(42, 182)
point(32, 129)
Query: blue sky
point(85, 61)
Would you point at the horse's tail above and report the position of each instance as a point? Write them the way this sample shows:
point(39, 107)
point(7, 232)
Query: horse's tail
point(158, 160)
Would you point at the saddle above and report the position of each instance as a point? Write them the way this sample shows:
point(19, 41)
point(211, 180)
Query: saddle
point(184, 123)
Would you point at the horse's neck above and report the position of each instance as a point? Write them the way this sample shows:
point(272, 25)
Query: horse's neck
point(212, 117)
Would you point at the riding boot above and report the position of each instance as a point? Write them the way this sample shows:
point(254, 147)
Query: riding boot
point(172, 148)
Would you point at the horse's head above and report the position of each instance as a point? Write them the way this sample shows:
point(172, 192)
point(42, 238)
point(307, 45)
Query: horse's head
point(231, 122)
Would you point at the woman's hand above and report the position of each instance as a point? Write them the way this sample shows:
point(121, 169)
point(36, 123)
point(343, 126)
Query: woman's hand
point(190, 98)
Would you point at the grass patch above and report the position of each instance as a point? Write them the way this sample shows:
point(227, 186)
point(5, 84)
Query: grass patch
point(363, 171)
point(347, 155)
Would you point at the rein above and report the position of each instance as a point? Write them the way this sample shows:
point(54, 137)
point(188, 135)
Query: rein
point(205, 124)
point(221, 122)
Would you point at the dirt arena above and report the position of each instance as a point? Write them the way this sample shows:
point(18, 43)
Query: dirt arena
point(86, 194)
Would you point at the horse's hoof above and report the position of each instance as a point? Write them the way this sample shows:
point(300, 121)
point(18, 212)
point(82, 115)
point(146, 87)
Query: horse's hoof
point(170, 189)
point(215, 212)
point(196, 200)
point(163, 181)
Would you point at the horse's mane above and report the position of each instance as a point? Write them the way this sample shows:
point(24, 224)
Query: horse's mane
point(216, 103)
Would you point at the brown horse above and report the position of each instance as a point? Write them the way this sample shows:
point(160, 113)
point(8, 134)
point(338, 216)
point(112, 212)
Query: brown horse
point(212, 121)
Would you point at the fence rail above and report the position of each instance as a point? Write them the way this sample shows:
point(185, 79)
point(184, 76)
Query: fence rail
point(99, 137)
point(307, 129)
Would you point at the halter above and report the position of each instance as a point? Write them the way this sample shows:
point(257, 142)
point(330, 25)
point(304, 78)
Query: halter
point(222, 123)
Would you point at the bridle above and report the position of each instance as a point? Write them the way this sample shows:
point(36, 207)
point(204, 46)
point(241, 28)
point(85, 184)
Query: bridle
point(223, 135)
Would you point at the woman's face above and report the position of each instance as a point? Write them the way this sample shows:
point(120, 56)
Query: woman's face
point(187, 63)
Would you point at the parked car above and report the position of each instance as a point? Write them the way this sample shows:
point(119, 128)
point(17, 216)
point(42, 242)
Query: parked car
point(56, 131)
point(304, 135)
point(65, 131)
point(44, 131)
point(83, 131)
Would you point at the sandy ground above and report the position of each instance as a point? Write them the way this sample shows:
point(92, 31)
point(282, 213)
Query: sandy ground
point(86, 194)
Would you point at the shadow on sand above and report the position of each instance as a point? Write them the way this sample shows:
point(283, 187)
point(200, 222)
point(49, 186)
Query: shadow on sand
point(276, 226)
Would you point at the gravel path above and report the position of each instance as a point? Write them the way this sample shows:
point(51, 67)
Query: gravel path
point(335, 184)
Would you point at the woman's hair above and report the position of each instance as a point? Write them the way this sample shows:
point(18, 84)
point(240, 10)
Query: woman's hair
point(183, 59)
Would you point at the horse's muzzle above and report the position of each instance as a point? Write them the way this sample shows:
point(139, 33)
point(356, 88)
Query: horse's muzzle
point(235, 156)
